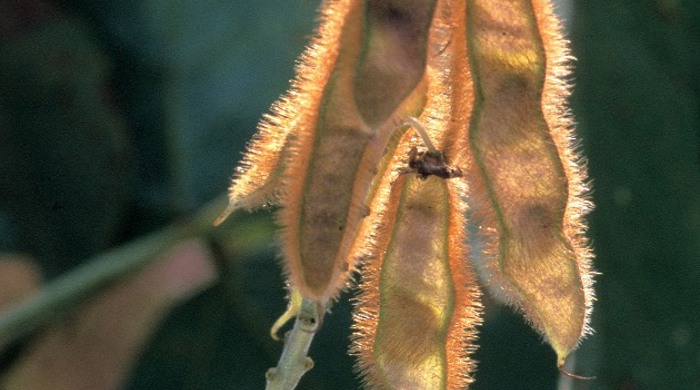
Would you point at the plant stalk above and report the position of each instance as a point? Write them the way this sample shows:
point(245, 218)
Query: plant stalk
point(294, 361)
point(59, 297)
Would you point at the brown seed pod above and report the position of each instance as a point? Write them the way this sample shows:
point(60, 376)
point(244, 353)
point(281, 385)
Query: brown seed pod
point(333, 161)
point(527, 181)
point(417, 313)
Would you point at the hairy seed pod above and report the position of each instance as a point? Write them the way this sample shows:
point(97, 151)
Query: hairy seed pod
point(417, 313)
point(259, 177)
point(527, 182)
point(333, 160)
point(418, 306)
point(393, 57)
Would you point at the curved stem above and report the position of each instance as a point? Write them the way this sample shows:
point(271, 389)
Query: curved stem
point(413, 122)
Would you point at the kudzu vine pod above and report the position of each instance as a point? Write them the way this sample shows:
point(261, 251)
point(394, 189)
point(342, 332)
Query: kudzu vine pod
point(418, 309)
point(333, 160)
point(317, 152)
point(527, 182)
point(259, 178)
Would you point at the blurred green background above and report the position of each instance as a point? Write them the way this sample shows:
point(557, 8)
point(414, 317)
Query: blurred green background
point(119, 117)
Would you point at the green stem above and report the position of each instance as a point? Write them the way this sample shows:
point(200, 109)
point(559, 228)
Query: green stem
point(63, 294)
point(294, 362)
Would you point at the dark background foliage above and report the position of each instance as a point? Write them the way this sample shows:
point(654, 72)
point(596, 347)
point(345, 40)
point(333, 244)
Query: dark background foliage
point(118, 117)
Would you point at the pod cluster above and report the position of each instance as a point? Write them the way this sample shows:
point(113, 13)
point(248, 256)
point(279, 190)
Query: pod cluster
point(484, 83)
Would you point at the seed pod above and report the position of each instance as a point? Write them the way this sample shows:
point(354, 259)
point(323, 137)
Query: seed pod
point(334, 158)
point(416, 316)
point(393, 57)
point(527, 182)
point(259, 177)
point(418, 306)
